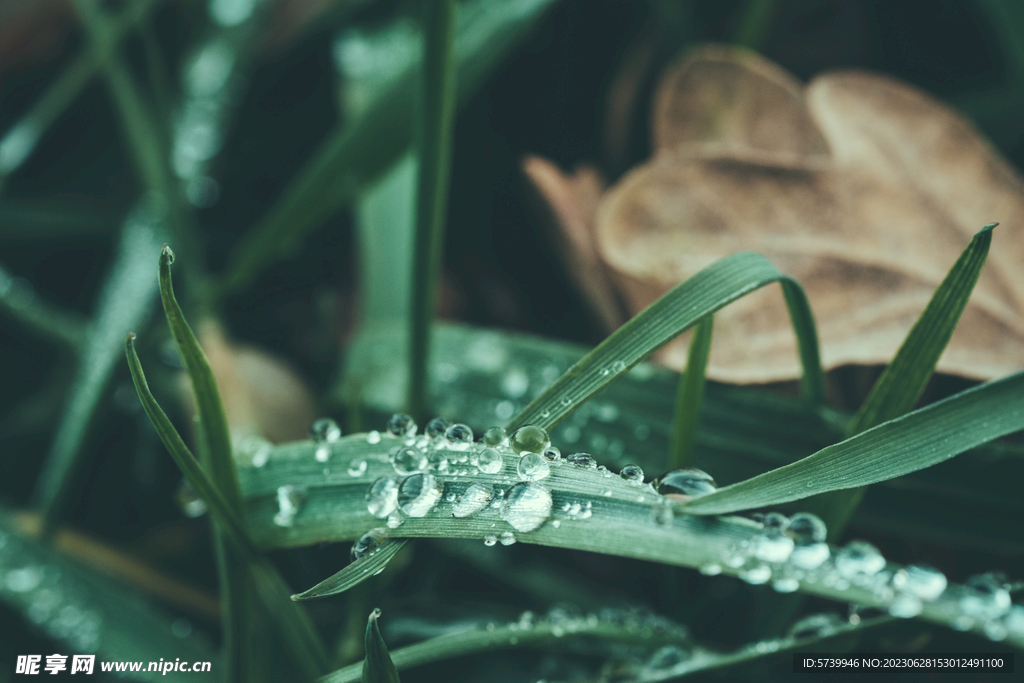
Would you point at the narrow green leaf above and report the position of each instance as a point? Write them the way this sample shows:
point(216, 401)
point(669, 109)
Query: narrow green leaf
point(354, 573)
point(216, 439)
point(672, 314)
point(437, 112)
point(124, 303)
point(905, 378)
point(377, 667)
point(913, 442)
point(353, 156)
point(691, 391)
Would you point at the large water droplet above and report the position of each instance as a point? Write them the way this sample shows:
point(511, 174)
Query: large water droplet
point(395, 520)
point(459, 437)
point(382, 497)
point(633, 474)
point(772, 544)
point(290, 500)
point(688, 482)
point(418, 494)
point(984, 597)
point(436, 428)
point(495, 437)
point(926, 583)
point(473, 499)
point(787, 584)
point(584, 460)
point(810, 556)
point(408, 461)
point(490, 539)
point(325, 430)
point(859, 559)
point(530, 439)
point(369, 543)
point(526, 506)
point(402, 426)
point(905, 606)
point(533, 467)
point(757, 575)
point(489, 461)
point(507, 538)
point(806, 529)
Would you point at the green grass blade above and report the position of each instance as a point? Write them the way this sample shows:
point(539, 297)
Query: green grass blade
point(672, 314)
point(435, 158)
point(377, 667)
point(913, 442)
point(353, 156)
point(755, 24)
point(125, 302)
point(691, 391)
point(353, 574)
point(905, 378)
point(446, 647)
point(624, 519)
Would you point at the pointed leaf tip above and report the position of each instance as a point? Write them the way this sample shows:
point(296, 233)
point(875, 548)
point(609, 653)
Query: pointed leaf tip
point(377, 667)
point(166, 255)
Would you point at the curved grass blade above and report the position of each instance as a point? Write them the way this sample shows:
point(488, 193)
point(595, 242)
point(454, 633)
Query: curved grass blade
point(377, 667)
point(125, 302)
point(621, 518)
point(673, 313)
point(904, 379)
point(435, 159)
point(913, 442)
point(451, 646)
point(691, 391)
point(353, 574)
point(353, 156)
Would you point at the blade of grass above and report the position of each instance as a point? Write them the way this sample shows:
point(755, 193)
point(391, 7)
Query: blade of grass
point(672, 314)
point(905, 378)
point(691, 391)
point(124, 303)
point(377, 667)
point(917, 440)
point(624, 520)
point(354, 155)
point(353, 574)
point(756, 23)
point(435, 154)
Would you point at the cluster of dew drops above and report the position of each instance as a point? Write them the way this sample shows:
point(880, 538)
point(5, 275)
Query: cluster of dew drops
point(785, 551)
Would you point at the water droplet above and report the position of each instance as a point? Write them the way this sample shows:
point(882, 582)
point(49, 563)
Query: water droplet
point(495, 437)
point(489, 461)
point(772, 545)
point(526, 506)
point(254, 449)
point(1014, 620)
point(473, 499)
point(815, 626)
point(810, 556)
point(373, 437)
point(438, 461)
point(662, 513)
point(859, 559)
point(189, 501)
point(984, 597)
point(436, 428)
point(926, 583)
point(490, 539)
point(369, 543)
point(325, 430)
point(711, 569)
point(382, 497)
point(357, 468)
point(167, 254)
point(618, 366)
point(806, 529)
point(408, 461)
point(290, 500)
point(688, 482)
point(566, 401)
point(552, 453)
point(459, 437)
point(323, 452)
point(401, 426)
point(23, 579)
point(395, 520)
point(533, 467)
point(757, 575)
point(786, 584)
point(418, 494)
point(633, 474)
point(905, 606)
point(666, 658)
point(995, 630)
point(584, 460)
point(530, 439)
point(556, 523)
point(507, 538)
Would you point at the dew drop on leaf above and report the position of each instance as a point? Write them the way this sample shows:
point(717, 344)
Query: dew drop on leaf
point(357, 467)
point(526, 506)
point(490, 461)
point(325, 430)
point(495, 437)
point(475, 498)
point(436, 428)
point(290, 500)
point(633, 474)
point(401, 425)
point(859, 559)
point(688, 482)
point(418, 494)
point(533, 467)
point(583, 460)
point(530, 439)
point(382, 497)
point(459, 437)
point(369, 543)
